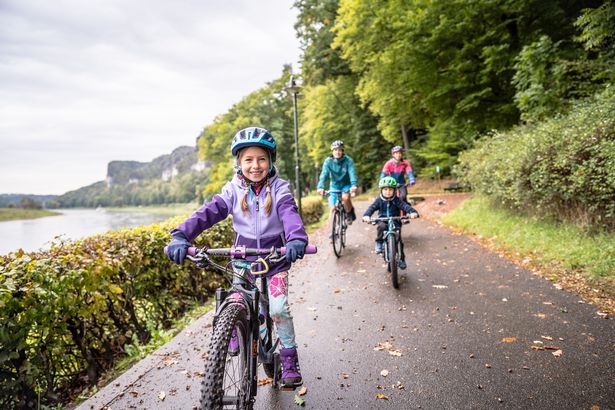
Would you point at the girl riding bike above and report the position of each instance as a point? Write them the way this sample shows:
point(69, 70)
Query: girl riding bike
point(388, 204)
point(399, 168)
point(339, 168)
point(264, 215)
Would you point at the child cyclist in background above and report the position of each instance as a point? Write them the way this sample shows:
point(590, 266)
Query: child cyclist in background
point(398, 168)
point(339, 168)
point(389, 204)
point(264, 215)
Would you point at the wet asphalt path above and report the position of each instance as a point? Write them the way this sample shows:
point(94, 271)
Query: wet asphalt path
point(466, 330)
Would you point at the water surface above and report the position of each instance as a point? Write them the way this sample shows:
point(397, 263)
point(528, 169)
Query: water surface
point(34, 234)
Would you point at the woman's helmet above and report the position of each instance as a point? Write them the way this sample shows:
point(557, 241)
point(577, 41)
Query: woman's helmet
point(337, 144)
point(387, 182)
point(253, 136)
point(397, 148)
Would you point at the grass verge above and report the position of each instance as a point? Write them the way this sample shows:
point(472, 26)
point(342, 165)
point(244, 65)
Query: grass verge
point(563, 253)
point(12, 214)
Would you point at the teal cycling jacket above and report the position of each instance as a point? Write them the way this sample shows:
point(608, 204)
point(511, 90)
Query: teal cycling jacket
point(341, 173)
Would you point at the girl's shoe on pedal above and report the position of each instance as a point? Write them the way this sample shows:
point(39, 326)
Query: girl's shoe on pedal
point(291, 374)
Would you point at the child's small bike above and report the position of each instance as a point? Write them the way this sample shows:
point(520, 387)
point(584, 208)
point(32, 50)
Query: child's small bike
point(392, 245)
point(230, 380)
point(339, 224)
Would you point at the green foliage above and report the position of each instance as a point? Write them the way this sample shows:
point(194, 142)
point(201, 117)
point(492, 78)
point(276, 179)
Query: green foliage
point(68, 313)
point(444, 66)
point(312, 209)
point(563, 167)
point(320, 62)
point(181, 188)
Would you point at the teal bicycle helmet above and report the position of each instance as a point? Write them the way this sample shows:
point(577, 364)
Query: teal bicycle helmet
point(253, 136)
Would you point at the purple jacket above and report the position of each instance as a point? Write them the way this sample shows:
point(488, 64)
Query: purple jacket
point(254, 229)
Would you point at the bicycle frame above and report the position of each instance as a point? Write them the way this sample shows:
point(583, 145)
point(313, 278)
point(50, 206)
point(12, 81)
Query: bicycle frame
point(338, 224)
point(392, 245)
point(252, 299)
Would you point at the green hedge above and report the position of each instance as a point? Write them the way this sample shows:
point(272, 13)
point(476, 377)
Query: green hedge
point(563, 167)
point(66, 314)
point(312, 209)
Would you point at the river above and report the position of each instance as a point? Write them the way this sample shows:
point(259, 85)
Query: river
point(35, 234)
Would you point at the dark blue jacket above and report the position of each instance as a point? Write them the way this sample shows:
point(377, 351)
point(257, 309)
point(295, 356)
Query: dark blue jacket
point(389, 208)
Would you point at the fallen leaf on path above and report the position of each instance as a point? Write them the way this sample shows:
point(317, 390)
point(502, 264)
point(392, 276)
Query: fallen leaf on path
point(162, 395)
point(345, 375)
point(383, 345)
point(381, 396)
point(299, 401)
point(509, 339)
point(396, 352)
point(557, 353)
point(439, 286)
point(547, 337)
point(302, 391)
point(337, 290)
point(265, 381)
point(361, 271)
point(312, 308)
point(384, 373)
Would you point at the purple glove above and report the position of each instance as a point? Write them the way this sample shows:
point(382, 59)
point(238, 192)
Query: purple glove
point(295, 249)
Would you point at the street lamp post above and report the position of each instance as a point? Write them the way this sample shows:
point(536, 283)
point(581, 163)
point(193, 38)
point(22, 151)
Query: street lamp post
point(294, 89)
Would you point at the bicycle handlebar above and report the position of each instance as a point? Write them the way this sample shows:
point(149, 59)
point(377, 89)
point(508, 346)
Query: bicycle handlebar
point(337, 191)
point(241, 251)
point(386, 218)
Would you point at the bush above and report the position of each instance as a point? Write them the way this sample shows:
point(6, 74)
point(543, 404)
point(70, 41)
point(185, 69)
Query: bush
point(66, 314)
point(563, 167)
point(312, 209)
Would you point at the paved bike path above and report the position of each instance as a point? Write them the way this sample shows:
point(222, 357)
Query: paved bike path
point(466, 330)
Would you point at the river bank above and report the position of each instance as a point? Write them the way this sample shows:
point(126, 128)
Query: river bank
point(13, 214)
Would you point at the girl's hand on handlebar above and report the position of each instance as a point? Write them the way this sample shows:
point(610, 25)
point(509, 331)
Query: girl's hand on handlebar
point(367, 219)
point(321, 192)
point(414, 215)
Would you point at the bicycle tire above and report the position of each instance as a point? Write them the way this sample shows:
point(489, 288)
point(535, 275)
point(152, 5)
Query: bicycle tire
point(226, 377)
point(336, 233)
point(393, 260)
point(343, 227)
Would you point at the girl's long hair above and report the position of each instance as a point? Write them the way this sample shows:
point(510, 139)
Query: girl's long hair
point(268, 201)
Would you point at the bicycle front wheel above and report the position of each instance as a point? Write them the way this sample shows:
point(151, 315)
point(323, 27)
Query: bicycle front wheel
point(226, 384)
point(336, 234)
point(393, 260)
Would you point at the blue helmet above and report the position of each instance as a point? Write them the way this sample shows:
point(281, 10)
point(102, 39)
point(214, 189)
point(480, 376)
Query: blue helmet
point(253, 136)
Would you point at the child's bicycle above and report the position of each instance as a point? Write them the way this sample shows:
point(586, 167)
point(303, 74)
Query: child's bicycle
point(230, 379)
point(392, 245)
point(338, 225)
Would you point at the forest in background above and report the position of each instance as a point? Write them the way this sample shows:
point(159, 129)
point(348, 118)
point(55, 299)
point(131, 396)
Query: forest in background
point(435, 77)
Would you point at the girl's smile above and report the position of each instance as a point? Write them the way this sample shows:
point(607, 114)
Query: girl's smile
point(254, 163)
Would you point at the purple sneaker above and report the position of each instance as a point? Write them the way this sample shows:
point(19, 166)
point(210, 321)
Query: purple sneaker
point(291, 375)
point(233, 344)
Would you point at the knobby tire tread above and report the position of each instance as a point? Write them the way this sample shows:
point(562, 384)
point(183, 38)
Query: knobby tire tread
point(393, 260)
point(211, 387)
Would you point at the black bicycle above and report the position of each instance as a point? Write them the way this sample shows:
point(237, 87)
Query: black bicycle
point(339, 224)
point(230, 379)
point(392, 245)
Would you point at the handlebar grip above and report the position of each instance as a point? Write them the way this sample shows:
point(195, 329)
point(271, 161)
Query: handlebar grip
point(192, 250)
point(309, 249)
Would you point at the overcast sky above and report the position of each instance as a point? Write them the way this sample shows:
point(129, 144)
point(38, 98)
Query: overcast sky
point(83, 83)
